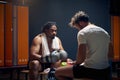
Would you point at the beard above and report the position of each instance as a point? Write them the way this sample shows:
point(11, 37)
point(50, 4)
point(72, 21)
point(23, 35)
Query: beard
point(52, 37)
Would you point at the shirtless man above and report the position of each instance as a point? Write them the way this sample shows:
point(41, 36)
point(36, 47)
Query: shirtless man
point(43, 44)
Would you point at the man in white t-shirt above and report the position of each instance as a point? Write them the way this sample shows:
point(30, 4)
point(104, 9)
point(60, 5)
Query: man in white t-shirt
point(92, 59)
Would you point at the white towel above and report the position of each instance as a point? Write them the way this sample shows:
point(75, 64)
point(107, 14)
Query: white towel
point(45, 49)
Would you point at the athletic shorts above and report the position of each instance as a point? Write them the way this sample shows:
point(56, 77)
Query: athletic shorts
point(45, 65)
point(83, 72)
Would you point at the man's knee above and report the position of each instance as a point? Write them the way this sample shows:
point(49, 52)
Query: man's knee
point(34, 65)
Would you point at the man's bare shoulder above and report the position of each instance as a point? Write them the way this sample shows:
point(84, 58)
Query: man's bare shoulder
point(37, 39)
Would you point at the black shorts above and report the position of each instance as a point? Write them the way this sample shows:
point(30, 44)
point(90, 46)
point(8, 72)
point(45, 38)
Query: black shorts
point(45, 65)
point(83, 72)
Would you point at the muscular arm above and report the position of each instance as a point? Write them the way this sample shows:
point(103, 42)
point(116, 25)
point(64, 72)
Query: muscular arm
point(80, 57)
point(35, 48)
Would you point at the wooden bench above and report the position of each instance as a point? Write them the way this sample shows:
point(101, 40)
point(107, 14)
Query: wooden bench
point(42, 74)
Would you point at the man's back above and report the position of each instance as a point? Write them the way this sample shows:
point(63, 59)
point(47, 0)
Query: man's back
point(97, 40)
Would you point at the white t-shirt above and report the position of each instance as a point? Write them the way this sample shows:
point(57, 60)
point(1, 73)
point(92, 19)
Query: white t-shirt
point(97, 41)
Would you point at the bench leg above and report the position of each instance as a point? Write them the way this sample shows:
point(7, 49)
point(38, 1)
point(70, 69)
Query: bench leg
point(41, 77)
point(11, 75)
point(26, 76)
point(18, 75)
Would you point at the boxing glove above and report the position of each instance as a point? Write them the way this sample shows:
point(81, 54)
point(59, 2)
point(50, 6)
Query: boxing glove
point(63, 55)
point(52, 58)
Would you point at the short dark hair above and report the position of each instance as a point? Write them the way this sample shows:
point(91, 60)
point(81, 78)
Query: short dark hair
point(48, 25)
point(79, 16)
